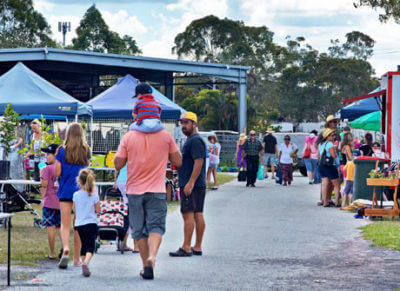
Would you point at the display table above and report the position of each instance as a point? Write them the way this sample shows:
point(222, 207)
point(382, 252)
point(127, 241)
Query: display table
point(375, 210)
point(7, 218)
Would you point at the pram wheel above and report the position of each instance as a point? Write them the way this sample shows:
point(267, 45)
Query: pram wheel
point(37, 222)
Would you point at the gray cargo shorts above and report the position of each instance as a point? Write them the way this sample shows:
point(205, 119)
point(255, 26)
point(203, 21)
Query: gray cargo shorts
point(147, 214)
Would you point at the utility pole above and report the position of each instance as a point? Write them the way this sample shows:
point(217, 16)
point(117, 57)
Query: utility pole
point(64, 27)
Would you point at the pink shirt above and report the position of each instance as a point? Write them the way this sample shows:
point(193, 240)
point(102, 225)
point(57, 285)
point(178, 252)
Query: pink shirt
point(50, 200)
point(310, 143)
point(147, 155)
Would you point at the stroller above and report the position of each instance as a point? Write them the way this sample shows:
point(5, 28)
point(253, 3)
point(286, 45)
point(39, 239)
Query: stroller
point(112, 221)
point(11, 200)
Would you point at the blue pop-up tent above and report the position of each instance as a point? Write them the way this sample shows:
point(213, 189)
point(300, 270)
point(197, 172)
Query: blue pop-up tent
point(117, 101)
point(29, 93)
point(362, 107)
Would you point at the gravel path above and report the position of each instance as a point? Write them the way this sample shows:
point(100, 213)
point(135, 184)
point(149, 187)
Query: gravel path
point(264, 238)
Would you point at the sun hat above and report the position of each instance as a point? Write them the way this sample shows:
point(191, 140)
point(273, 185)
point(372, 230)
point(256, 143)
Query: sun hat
point(189, 116)
point(327, 132)
point(35, 121)
point(331, 118)
point(242, 136)
point(269, 130)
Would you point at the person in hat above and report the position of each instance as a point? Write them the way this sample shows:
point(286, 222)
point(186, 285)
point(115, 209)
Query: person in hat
point(51, 204)
point(270, 147)
point(332, 123)
point(328, 171)
point(192, 183)
point(239, 151)
point(146, 111)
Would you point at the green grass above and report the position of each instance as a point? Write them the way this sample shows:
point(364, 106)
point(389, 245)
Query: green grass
point(28, 244)
point(385, 234)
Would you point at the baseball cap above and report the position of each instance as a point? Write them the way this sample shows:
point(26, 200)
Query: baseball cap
point(189, 116)
point(51, 149)
point(143, 88)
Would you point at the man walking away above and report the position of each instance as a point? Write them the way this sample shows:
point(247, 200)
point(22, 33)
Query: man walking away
point(147, 155)
point(192, 183)
point(270, 152)
point(252, 149)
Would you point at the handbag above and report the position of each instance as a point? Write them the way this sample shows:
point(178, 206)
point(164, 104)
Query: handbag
point(325, 160)
point(242, 176)
point(307, 152)
point(261, 172)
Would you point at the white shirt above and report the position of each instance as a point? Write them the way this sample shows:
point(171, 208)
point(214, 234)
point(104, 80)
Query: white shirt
point(85, 210)
point(286, 151)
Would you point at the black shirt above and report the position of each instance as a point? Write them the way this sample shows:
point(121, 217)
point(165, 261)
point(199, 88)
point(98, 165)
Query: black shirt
point(270, 143)
point(367, 150)
point(194, 148)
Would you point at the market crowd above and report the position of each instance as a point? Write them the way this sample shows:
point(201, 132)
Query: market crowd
point(328, 156)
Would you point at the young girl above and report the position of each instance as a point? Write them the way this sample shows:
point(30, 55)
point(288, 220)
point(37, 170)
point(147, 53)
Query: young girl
point(86, 205)
point(72, 157)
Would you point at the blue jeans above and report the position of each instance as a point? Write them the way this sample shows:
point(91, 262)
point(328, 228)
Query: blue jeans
point(147, 126)
point(311, 164)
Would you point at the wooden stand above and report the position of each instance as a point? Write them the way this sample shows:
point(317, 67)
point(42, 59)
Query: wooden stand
point(375, 210)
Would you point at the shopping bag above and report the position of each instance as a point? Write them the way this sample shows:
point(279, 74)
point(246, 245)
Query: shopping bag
point(278, 173)
point(261, 173)
point(242, 176)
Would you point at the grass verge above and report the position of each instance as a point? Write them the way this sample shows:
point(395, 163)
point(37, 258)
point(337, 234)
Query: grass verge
point(385, 234)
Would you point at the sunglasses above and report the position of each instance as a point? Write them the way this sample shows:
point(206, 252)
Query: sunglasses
point(286, 138)
point(252, 134)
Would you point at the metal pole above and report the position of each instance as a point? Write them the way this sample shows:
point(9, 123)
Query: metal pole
point(9, 251)
point(242, 102)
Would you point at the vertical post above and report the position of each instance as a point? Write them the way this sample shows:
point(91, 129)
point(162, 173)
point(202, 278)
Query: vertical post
point(169, 86)
point(9, 251)
point(242, 101)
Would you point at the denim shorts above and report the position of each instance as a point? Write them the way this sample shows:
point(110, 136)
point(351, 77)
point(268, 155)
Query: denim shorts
point(147, 214)
point(311, 164)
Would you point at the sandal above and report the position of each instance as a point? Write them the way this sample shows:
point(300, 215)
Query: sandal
point(135, 251)
point(147, 273)
point(63, 264)
point(196, 253)
point(50, 258)
point(180, 253)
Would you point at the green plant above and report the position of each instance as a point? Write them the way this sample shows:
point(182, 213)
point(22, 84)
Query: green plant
point(7, 129)
point(47, 137)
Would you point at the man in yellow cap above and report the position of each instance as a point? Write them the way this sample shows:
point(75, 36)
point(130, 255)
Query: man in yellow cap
point(192, 183)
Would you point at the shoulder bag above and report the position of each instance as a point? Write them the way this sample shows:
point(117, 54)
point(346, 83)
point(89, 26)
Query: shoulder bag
point(325, 160)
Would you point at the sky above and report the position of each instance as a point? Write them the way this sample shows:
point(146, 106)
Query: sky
point(155, 23)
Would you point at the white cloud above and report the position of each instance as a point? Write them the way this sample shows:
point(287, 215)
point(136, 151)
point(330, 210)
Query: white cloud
point(122, 23)
point(200, 7)
point(43, 6)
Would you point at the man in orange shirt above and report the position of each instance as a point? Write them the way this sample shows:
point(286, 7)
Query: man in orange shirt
point(147, 155)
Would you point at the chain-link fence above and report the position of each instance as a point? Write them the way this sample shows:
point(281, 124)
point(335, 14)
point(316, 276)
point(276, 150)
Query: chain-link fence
point(228, 140)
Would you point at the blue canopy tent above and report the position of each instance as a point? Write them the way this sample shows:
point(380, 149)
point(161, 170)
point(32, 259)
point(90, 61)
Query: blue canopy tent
point(362, 107)
point(29, 93)
point(117, 101)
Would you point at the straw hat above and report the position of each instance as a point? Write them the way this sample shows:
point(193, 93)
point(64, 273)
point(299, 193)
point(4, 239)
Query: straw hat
point(331, 118)
point(242, 136)
point(269, 130)
point(327, 132)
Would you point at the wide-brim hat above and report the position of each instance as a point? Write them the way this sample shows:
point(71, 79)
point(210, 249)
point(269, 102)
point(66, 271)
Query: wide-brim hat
point(327, 132)
point(331, 118)
point(269, 130)
point(242, 136)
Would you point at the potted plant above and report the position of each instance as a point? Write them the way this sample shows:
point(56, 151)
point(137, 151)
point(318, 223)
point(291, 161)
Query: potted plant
point(7, 135)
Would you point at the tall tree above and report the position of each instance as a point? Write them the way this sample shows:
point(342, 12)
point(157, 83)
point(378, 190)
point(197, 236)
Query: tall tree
point(93, 34)
point(22, 26)
point(358, 45)
point(391, 8)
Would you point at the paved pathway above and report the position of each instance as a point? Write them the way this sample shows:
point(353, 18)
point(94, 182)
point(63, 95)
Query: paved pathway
point(264, 238)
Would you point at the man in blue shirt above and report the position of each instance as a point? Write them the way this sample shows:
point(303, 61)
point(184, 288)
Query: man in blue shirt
point(192, 183)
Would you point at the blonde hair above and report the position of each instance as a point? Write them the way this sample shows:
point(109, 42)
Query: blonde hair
point(77, 150)
point(347, 140)
point(86, 179)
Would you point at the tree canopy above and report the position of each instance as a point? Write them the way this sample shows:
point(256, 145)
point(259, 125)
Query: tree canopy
point(93, 34)
point(22, 26)
point(391, 8)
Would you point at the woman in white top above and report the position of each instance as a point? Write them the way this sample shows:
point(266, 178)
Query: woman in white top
point(287, 151)
point(214, 149)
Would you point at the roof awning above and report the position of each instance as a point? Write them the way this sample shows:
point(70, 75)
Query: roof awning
point(374, 94)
